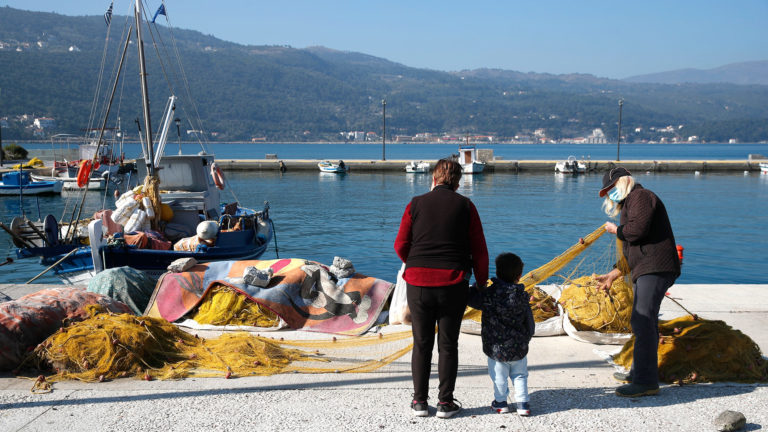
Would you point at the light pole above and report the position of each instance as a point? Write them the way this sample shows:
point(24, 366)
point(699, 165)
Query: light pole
point(618, 141)
point(384, 129)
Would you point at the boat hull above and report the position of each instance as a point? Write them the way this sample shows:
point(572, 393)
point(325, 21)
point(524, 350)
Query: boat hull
point(69, 183)
point(34, 188)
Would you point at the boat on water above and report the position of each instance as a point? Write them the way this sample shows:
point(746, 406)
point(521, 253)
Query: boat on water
point(468, 160)
point(21, 182)
point(331, 167)
point(69, 181)
point(763, 167)
point(417, 167)
point(176, 213)
point(571, 166)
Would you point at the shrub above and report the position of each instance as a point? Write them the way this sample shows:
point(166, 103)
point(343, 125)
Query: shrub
point(14, 151)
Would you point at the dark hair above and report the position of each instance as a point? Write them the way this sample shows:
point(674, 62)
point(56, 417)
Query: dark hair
point(509, 267)
point(447, 172)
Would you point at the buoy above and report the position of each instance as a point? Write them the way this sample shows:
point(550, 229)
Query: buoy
point(680, 253)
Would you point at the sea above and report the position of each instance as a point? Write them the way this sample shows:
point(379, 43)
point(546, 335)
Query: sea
point(719, 219)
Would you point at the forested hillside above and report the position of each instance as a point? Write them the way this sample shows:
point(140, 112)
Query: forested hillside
point(50, 68)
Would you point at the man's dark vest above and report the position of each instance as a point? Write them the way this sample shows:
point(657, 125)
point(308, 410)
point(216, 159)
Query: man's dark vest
point(440, 230)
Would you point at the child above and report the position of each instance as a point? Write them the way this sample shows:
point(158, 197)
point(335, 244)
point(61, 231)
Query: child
point(507, 327)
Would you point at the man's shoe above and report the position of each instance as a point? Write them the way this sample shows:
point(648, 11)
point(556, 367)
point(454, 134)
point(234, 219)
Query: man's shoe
point(500, 407)
point(636, 390)
point(523, 408)
point(420, 409)
point(622, 377)
point(447, 409)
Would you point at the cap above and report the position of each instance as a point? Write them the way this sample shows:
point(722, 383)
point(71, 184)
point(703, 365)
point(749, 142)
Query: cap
point(609, 179)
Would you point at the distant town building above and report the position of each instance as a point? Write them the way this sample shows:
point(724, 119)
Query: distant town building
point(733, 141)
point(597, 137)
point(74, 48)
point(44, 123)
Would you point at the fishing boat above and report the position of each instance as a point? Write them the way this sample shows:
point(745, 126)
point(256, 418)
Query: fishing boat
point(176, 213)
point(20, 182)
point(68, 179)
point(468, 160)
point(417, 167)
point(763, 167)
point(330, 167)
point(571, 166)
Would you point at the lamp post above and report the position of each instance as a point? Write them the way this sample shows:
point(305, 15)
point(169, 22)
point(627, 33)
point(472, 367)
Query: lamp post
point(178, 131)
point(618, 141)
point(384, 129)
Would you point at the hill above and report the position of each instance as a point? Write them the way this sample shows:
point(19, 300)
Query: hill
point(51, 64)
point(746, 73)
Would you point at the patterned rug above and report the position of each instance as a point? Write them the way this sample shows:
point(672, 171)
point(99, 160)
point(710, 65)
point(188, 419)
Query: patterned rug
point(301, 292)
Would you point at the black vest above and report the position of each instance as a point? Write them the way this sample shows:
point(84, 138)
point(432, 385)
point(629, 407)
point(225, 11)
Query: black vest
point(440, 230)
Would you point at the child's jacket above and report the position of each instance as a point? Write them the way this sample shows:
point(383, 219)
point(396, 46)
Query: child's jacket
point(507, 324)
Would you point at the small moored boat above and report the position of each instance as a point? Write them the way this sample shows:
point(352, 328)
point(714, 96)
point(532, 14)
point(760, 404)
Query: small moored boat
point(571, 166)
point(18, 182)
point(330, 167)
point(469, 162)
point(763, 167)
point(417, 167)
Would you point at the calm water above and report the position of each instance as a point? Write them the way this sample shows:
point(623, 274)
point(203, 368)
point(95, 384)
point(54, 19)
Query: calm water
point(437, 151)
point(720, 219)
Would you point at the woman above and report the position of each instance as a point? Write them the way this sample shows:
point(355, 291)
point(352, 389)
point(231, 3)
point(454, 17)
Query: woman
point(440, 241)
point(649, 246)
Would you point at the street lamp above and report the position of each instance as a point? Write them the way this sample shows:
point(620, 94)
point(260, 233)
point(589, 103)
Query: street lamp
point(618, 141)
point(384, 129)
point(178, 131)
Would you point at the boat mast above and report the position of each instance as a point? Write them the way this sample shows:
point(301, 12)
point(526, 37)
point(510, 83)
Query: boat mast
point(144, 92)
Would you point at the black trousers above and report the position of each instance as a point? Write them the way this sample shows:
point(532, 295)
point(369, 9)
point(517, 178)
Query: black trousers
point(649, 291)
point(444, 307)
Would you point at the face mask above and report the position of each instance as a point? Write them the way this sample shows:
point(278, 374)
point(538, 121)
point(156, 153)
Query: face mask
point(615, 196)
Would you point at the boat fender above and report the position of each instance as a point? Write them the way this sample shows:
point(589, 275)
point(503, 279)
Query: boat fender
point(124, 212)
point(680, 249)
point(148, 207)
point(136, 221)
point(217, 175)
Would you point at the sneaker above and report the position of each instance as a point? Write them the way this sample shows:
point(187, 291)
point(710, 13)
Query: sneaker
point(636, 390)
point(447, 409)
point(500, 407)
point(523, 408)
point(622, 377)
point(420, 409)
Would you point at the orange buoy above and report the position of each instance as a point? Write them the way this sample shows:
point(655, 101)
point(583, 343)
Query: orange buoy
point(680, 253)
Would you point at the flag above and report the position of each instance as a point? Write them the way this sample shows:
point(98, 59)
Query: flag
point(108, 15)
point(160, 11)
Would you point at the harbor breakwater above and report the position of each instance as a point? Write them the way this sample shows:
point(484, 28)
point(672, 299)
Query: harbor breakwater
point(505, 166)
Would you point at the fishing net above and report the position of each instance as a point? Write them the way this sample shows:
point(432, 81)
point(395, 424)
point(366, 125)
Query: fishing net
point(222, 305)
point(692, 350)
point(107, 346)
point(591, 309)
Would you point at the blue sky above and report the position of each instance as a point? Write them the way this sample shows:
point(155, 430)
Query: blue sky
point(607, 38)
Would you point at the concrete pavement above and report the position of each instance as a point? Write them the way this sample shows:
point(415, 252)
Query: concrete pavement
point(570, 385)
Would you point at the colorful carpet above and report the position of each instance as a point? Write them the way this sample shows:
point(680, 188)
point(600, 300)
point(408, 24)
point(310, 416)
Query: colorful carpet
point(306, 300)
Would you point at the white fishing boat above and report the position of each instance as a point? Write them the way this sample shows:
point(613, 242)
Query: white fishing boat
point(331, 167)
point(69, 181)
point(468, 160)
point(763, 167)
point(20, 182)
point(417, 167)
point(571, 166)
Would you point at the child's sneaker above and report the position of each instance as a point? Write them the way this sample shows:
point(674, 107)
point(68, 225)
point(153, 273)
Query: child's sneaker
point(523, 408)
point(500, 407)
point(419, 409)
point(447, 409)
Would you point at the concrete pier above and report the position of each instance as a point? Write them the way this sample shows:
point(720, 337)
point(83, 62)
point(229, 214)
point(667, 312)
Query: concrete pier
point(570, 386)
point(505, 166)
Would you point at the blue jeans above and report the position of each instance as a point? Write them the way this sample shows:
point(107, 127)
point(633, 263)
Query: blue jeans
point(501, 372)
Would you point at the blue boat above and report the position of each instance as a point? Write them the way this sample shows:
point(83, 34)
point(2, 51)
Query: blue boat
point(19, 182)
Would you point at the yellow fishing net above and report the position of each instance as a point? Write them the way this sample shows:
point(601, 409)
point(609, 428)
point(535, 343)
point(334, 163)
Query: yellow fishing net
point(699, 350)
point(32, 163)
point(222, 305)
point(107, 346)
point(591, 309)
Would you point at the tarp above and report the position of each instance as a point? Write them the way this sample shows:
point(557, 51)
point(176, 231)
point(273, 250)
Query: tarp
point(304, 301)
point(26, 322)
point(128, 285)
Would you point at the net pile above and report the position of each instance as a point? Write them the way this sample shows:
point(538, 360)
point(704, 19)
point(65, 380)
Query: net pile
point(542, 304)
point(693, 350)
point(591, 309)
point(222, 305)
point(108, 346)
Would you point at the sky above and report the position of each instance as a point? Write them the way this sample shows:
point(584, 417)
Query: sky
point(606, 38)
